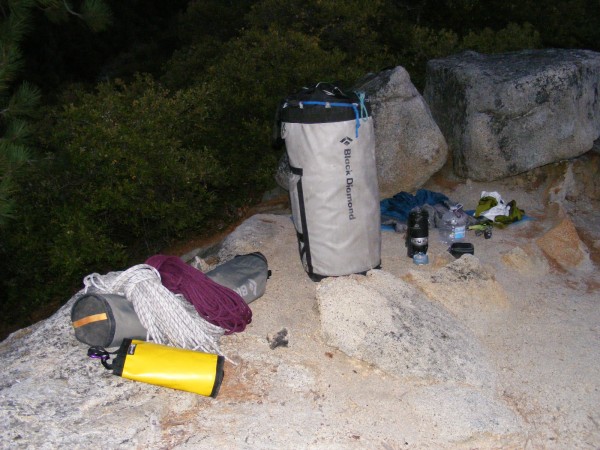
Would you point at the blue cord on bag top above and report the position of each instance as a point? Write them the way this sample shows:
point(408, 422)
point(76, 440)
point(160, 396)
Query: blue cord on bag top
point(363, 110)
point(364, 114)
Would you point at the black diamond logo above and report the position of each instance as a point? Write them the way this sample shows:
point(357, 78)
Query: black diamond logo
point(346, 141)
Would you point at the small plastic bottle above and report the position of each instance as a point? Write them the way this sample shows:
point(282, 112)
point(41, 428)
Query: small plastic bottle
point(454, 225)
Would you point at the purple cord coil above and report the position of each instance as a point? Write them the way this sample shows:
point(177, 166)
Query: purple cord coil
point(215, 303)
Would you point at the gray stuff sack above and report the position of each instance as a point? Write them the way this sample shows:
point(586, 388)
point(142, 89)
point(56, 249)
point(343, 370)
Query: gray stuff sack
point(105, 320)
point(245, 274)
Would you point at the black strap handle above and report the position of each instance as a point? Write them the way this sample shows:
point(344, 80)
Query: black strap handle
point(329, 89)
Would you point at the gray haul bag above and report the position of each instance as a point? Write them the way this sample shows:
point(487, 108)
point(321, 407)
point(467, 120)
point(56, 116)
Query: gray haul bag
point(334, 195)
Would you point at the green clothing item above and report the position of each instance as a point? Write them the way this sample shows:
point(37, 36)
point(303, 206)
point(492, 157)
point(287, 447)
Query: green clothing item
point(514, 215)
point(486, 203)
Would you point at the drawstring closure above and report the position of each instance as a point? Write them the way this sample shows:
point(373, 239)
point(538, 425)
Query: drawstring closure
point(362, 114)
point(359, 108)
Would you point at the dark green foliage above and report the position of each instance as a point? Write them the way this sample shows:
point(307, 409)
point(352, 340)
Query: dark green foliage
point(420, 44)
point(513, 37)
point(283, 47)
point(139, 38)
point(352, 27)
point(256, 71)
point(561, 23)
point(204, 28)
point(125, 177)
point(18, 101)
point(132, 154)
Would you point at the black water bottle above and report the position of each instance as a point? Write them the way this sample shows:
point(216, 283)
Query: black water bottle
point(417, 233)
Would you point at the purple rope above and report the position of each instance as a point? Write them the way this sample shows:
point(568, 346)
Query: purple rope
point(217, 304)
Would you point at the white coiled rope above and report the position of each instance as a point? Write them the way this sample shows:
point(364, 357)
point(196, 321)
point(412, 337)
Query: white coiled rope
point(170, 319)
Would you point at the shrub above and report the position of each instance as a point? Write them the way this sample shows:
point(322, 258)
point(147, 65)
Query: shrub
point(124, 177)
point(256, 71)
point(513, 37)
point(352, 27)
point(203, 29)
point(133, 152)
point(416, 44)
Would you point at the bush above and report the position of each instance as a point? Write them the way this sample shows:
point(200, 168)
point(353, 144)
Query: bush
point(283, 47)
point(416, 44)
point(203, 29)
point(257, 71)
point(513, 37)
point(352, 27)
point(133, 152)
point(125, 176)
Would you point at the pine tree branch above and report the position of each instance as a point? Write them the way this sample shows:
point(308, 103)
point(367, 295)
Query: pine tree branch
point(69, 10)
point(15, 22)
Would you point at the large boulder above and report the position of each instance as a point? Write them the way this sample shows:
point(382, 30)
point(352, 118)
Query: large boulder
point(409, 146)
point(465, 287)
point(508, 113)
point(384, 321)
point(564, 247)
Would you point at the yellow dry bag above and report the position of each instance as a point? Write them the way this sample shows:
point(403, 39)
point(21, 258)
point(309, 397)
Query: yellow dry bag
point(176, 368)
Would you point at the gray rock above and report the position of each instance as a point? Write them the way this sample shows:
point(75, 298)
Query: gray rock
point(596, 146)
point(538, 358)
point(409, 145)
point(385, 322)
point(564, 247)
point(382, 320)
point(465, 287)
point(460, 414)
point(54, 396)
point(249, 236)
point(508, 113)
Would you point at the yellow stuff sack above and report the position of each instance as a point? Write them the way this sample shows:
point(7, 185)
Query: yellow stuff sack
point(176, 368)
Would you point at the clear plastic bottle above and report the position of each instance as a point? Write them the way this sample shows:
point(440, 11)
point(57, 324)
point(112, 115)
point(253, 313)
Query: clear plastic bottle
point(454, 225)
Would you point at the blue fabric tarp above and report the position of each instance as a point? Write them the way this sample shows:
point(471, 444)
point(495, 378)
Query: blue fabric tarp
point(402, 203)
